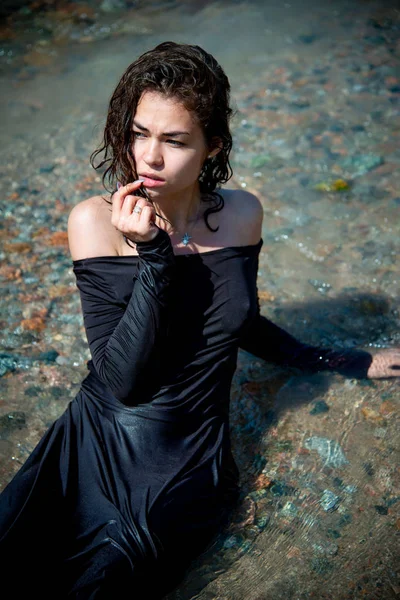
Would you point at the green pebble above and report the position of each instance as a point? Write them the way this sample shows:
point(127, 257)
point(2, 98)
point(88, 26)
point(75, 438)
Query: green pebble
point(319, 408)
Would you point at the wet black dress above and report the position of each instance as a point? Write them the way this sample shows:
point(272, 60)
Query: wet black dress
point(137, 475)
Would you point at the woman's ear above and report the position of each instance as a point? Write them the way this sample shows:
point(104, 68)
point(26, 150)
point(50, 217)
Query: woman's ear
point(216, 146)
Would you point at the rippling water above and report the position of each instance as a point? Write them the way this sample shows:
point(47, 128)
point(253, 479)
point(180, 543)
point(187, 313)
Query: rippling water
point(316, 87)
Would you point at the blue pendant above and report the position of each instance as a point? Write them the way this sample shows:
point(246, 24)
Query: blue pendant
point(186, 239)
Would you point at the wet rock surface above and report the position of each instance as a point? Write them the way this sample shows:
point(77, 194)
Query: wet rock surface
point(316, 136)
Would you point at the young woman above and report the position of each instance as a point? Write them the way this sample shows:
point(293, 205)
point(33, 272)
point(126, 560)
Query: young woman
point(135, 478)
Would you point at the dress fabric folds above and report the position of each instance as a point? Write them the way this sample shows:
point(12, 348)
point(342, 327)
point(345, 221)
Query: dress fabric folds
point(136, 476)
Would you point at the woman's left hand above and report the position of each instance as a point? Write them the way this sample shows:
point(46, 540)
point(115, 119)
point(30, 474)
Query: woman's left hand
point(385, 363)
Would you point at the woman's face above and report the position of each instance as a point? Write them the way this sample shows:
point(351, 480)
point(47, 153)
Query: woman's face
point(168, 146)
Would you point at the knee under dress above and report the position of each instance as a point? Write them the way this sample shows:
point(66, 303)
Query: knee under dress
point(137, 475)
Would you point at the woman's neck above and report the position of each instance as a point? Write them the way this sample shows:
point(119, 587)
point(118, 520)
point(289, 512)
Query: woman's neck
point(182, 213)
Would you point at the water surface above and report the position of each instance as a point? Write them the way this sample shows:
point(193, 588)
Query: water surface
point(316, 87)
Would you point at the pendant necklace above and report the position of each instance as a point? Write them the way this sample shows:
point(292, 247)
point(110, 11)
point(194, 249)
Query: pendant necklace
point(186, 237)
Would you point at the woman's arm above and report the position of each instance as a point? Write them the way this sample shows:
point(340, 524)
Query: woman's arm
point(266, 340)
point(123, 340)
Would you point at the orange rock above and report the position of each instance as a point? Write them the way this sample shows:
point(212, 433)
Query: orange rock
point(42, 231)
point(371, 415)
point(294, 552)
point(11, 273)
point(369, 490)
point(265, 296)
point(262, 482)
point(59, 238)
point(26, 298)
point(57, 291)
point(303, 451)
point(33, 324)
point(18, 247)
point(387, 408)
point(61, 207)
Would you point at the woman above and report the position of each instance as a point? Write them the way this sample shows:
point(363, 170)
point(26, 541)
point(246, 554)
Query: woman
point(134, 479)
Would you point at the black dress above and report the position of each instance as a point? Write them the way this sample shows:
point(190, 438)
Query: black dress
point(137, 475)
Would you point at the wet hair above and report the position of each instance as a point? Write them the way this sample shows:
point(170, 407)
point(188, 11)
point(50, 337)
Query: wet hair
point(193, 77)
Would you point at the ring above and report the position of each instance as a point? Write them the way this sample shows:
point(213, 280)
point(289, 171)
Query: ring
point(137, 209)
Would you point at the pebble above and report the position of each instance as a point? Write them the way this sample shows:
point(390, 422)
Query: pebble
point(372, 415)
point(381, 510)
point(12, 420)
point(320, 407)
point(289, 510)
point(329, 501)
point(11, 362)
point(325, 548)
point(329, 451)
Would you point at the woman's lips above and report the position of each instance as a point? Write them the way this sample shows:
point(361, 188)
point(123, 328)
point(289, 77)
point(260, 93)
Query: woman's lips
point(149, 182)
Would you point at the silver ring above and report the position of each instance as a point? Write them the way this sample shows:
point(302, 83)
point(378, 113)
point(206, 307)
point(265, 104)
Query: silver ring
point(137, 209)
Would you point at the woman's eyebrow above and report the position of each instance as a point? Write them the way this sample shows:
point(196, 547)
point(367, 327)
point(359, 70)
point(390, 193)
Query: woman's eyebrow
point(169, 134)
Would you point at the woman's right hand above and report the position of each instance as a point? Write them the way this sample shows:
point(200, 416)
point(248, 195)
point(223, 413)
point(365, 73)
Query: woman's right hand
point(133, 215)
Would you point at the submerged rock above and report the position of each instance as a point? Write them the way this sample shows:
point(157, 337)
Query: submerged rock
point(12, 420)
point(329, 501)
point(319, 408)
point(329, 450)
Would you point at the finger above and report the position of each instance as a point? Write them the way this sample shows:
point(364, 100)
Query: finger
point(133, 205)
point(124, 190)
point(129, 187)
point(147, 216)
point(127, 206)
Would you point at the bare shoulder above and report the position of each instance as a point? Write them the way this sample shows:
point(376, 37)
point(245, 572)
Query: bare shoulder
point(90, 232)
point(246, 214)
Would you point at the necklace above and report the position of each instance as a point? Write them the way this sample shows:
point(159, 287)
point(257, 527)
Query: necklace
point(186, 237)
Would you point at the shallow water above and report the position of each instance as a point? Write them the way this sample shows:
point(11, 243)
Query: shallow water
point(317, 91)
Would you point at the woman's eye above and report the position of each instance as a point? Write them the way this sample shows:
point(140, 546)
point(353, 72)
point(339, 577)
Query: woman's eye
point(141, 136)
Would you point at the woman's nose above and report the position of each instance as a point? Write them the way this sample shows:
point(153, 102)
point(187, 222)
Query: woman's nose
point(153, 154)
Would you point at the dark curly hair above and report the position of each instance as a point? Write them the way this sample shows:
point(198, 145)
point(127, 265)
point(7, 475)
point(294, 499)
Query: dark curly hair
point(193, 77)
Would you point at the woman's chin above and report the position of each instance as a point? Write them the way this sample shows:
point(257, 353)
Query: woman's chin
point(157, 193)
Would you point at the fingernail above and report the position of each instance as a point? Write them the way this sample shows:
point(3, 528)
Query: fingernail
point(140, 179)
point(119, 185)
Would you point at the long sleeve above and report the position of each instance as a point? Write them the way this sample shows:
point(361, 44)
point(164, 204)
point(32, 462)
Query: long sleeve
point(123, 339)
point(266, 340)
